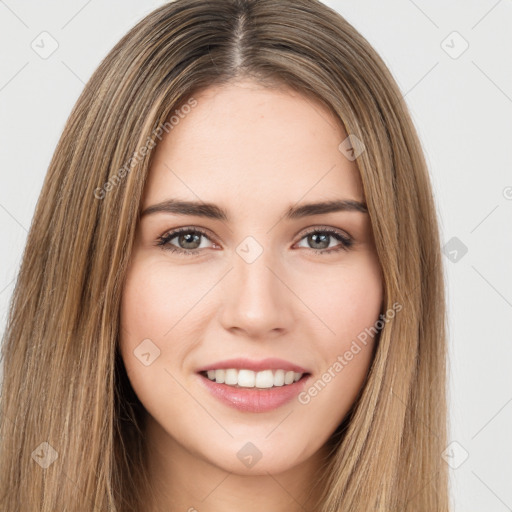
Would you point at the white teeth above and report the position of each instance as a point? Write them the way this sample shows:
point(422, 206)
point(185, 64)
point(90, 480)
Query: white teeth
point(264, 379)
point(231, 377)
point(279, 378)
point(249, 379)
point(219, 376)
point(246, 378)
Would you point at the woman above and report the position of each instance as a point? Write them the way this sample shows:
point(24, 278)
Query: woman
point(231, 295)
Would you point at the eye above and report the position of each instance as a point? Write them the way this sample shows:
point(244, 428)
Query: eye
point(190, 241)
point(319, 242)
point(189, 237)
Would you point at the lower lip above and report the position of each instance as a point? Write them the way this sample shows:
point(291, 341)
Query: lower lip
point(254, 399)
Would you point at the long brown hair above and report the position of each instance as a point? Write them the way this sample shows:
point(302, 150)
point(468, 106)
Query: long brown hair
point(71, 436)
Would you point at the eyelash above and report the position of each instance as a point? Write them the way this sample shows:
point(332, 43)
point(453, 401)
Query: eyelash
point(163, 241)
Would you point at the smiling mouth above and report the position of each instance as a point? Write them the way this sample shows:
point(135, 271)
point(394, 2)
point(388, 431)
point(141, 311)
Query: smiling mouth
point(248, 379)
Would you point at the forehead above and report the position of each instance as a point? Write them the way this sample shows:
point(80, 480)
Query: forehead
point(246, 144)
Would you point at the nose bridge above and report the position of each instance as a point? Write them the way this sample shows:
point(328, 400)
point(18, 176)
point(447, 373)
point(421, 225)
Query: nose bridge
point(256, 300)
point(254, 280)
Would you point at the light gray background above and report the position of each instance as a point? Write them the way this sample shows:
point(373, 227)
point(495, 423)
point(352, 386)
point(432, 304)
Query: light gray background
point(462, 107)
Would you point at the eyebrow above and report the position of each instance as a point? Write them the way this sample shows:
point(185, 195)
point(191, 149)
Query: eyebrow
point(213, 211)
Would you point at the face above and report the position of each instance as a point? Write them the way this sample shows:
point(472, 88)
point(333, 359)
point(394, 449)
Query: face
point(255, 298)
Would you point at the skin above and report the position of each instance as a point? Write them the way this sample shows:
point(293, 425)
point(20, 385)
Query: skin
point(253, 151)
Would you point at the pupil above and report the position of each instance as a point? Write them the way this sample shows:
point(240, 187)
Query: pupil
point(187, 238)
point(324, 242)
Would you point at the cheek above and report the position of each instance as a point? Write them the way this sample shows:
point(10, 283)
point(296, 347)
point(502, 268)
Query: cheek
point(160, 315)
point(349, 305)
point(146, 318)
point(154, 306)
point(346, 301)
point(155, 302)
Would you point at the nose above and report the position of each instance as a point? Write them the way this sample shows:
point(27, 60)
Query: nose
point(256, 299)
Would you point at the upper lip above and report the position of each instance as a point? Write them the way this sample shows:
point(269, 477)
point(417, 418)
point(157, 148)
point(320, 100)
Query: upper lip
point(240, 363)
